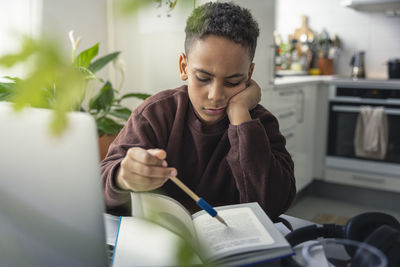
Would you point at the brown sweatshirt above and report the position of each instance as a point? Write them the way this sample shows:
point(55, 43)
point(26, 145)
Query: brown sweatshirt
point(222, 163)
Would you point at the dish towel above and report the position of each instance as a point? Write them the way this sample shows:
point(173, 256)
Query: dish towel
point(371, 134)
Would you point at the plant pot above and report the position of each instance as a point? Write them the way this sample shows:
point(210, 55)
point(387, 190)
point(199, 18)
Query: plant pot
point(104, 142)
point(325, 65)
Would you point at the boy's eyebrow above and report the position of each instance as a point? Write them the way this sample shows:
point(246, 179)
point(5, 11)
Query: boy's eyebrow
point(228, 77)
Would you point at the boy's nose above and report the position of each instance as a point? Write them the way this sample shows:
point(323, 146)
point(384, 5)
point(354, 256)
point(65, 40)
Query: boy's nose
point(216, 93)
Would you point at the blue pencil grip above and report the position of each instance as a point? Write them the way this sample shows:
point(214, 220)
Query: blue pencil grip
point(205, 206)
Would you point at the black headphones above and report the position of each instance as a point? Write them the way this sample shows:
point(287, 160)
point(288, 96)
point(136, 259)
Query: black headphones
point(374, 228)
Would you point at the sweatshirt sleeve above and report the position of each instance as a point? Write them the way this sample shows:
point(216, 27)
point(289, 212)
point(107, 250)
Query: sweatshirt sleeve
point(262, 168)
point(136, 132)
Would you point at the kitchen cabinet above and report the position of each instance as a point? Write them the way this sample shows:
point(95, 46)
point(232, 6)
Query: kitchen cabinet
point(365, 180)
point(390, 7)
point(320, 129)
point(301, 105)
point(295, 108)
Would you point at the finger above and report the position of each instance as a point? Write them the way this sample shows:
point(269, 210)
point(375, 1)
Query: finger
point(151, 171)
point(241, 90)
point(249, 82)
point(135, 182)
point(156, 152)
point(135, 167)
point(141, 155)
point(141, 183)
point(160, 154)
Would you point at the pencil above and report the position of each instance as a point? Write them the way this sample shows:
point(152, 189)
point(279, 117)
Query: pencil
point(199, 201)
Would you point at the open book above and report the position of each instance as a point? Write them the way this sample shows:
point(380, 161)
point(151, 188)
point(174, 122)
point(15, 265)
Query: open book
point(152, 235)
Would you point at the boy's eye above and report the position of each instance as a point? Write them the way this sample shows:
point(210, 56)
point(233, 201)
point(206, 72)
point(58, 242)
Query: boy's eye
point(202, 79)
point(231, 84)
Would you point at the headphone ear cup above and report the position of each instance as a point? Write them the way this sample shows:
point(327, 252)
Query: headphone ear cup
point(307, 233)
point(387, 240)
point(361, 226)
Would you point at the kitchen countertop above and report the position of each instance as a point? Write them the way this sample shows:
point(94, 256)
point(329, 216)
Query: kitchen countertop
point(336, 80)
point(305, 79)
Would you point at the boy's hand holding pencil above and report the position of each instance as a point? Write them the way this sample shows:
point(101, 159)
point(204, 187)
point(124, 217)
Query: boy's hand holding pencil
point(144, 170)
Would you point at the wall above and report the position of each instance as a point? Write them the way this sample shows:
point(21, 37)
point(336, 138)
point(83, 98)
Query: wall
point(53, 19)
point(18, 17)
point(375, 33)
point(150, 43)
point(87, 18)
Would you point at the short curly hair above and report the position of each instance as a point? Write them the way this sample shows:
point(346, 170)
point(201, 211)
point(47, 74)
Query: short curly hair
point(226, 20)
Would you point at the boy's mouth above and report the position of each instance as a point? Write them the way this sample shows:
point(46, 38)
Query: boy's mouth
point(214, 111)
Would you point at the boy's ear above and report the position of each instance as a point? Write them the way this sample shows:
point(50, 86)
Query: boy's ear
point(183, 66)
point(251, 70)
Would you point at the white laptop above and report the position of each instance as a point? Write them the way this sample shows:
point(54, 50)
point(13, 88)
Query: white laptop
point(51, 201)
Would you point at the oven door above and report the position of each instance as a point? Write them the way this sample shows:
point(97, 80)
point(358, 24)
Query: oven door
point(340, 147)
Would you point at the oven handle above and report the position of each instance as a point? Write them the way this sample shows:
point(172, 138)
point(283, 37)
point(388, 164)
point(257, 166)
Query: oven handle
point(389, 111)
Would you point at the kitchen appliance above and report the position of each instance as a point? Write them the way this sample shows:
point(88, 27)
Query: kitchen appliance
point(394, 68)
point(358, 65)
point(341, 164)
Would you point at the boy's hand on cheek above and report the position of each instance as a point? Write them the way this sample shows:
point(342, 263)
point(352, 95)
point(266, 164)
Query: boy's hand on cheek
point(244, 101)
point(248, 97)
point(143, 170)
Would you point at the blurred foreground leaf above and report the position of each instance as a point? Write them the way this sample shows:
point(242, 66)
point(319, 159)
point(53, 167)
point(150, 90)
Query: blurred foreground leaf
point(51, 81)
point(127, 7)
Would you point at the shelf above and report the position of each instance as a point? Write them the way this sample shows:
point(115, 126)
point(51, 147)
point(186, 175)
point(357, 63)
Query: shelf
point(390, 7)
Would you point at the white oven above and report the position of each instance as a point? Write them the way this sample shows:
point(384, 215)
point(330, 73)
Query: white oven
point(342, 164)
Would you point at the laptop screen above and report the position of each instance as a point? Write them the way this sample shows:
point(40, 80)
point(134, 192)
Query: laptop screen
point(51, 201)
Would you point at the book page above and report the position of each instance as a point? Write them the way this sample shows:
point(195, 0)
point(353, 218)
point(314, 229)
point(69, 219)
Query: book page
point(244, 231)
point(282, 228)
point(142, 243)
point(169, 213)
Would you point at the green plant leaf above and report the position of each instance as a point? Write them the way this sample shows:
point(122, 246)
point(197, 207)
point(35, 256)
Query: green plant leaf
point(14, 79)
point(103, 99)
point(84, 57)
point(29, 47)
point(122, 113)
point(142, 96)
point(172, 4)
point(51, 81)
point(6, 91)
point(108, 126)
point(89, 75)
point(127, 7)
point(98, 64)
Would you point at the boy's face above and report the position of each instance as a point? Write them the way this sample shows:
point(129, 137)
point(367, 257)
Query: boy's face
point(216, 69)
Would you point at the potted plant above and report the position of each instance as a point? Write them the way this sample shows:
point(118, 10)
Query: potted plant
point(105, 106)
point(45, 87)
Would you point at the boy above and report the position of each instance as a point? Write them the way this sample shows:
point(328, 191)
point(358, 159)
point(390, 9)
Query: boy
point(212, 133)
